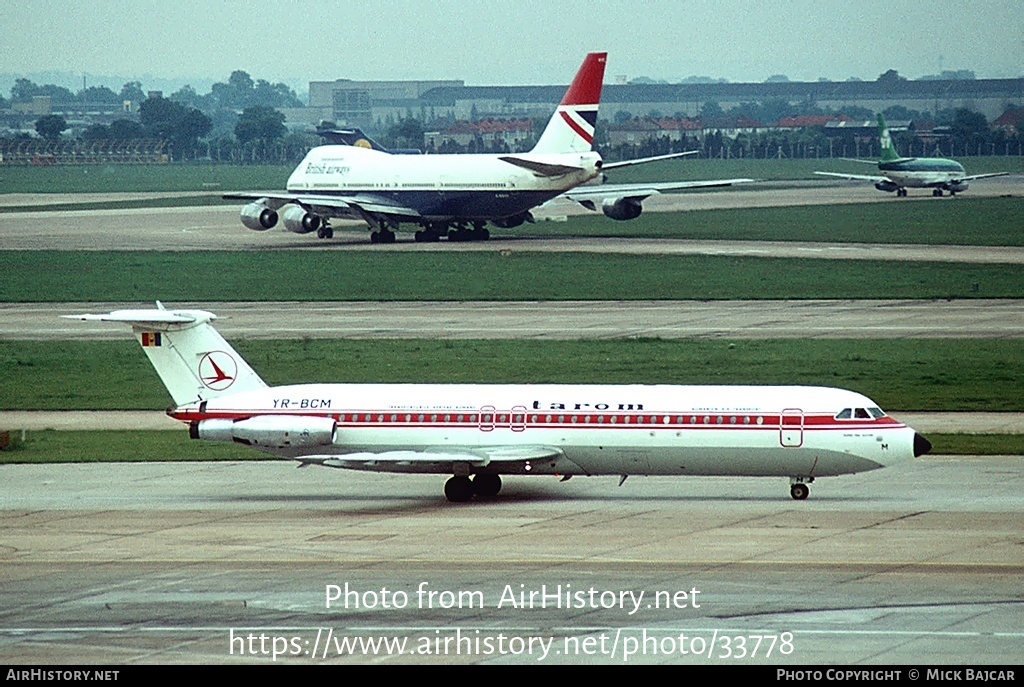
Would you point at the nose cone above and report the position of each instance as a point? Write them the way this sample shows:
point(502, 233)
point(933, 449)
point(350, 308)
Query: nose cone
point(921, 445)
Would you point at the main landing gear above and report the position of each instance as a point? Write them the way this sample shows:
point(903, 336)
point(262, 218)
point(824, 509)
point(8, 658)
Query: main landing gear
point(460, 489)
point(433, 232)
point(901, 193)
point(325, 231)
point(384, 235)
point(798, 488)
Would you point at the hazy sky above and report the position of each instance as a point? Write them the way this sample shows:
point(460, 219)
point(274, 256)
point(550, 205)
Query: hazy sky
point(511, 41)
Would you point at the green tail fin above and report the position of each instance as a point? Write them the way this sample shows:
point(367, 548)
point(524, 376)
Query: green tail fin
point(888, 149)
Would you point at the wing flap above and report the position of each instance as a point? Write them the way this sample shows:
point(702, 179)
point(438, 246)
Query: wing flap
point(437, 460)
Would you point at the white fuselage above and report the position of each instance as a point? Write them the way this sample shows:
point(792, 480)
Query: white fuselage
point(925, 173)
point(464, 187)
point(633, 429)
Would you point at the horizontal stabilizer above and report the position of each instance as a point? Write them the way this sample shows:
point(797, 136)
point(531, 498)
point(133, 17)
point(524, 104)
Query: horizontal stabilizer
point(149, 319)
point(542, 168)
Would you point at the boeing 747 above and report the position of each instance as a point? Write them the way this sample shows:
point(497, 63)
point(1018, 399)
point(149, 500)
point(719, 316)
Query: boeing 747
point(456, 196)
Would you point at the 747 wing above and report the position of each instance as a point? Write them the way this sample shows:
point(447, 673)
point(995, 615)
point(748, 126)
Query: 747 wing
point(625, 201)
point(310, 211)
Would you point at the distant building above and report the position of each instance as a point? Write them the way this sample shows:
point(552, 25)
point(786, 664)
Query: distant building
point(491, 133)
point(368, 103)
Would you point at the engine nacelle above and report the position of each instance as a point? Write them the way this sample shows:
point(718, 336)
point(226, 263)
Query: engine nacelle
point(622, 208)
point(298, 221)
point(886, 186)
point(268, 431)
point(513, 221)
point(258, 216)
point(956, 186)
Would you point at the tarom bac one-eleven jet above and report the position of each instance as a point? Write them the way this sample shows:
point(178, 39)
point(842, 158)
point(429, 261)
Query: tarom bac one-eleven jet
point(456, 196)
point(479, 432)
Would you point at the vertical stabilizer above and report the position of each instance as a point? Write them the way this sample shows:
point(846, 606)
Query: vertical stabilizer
point(192, 359)
point(571, 128)
point(888, 149)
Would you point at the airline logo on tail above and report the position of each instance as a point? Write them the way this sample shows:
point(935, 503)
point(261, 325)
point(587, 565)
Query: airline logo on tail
point(577, 111)
point(217, 370)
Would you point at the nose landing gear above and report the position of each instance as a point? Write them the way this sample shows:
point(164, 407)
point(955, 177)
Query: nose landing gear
point(798, 488)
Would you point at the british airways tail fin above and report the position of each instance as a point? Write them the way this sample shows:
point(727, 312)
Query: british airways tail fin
point(193, 360)
point(571, 128)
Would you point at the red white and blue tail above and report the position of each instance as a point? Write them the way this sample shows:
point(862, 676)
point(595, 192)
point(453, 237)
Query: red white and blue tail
point(571, 129)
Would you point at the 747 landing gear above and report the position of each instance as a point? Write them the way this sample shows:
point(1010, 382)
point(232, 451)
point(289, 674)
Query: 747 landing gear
point(798, 488)
point(383, 236)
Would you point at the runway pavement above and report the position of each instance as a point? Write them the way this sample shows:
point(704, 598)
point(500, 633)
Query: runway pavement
point(975, 318)
point(230, 562)
point(219, 228)
point(165, 563)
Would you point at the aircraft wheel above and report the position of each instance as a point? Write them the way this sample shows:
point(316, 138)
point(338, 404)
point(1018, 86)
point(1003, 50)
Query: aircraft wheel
point(937, 193)
point(387, 236)
point(487, 486)
point(420, 236)
point(458, 489)
point(799, 491)
point(375, 237)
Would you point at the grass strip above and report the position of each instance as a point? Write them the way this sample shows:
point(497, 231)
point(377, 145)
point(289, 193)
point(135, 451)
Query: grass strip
point(923, 374)
point(48, 276)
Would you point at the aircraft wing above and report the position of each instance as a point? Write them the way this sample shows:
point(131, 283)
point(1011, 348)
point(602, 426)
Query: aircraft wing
point(985, 176)
point(441, 459)
point(642, 160)
point(354, 206)
point(854, 177)
point(589, 195)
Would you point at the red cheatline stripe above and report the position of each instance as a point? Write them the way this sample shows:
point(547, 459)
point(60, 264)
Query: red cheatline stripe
point(576, 127)
point(583, 421)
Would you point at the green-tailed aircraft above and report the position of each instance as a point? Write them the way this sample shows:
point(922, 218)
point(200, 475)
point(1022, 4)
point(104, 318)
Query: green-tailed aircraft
point(901, 173)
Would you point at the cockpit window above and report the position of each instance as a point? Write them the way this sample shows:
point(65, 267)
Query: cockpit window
point(844, 414)
point(861, 414)
point(876, 412)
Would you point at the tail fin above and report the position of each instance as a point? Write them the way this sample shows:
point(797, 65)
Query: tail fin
point(888, 149)
point(193, 360)
point(571, 128)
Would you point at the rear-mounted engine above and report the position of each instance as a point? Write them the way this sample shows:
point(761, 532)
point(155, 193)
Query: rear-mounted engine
point(268, 431)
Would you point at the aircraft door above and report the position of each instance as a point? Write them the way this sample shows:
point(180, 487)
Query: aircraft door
point(791, 428)
point(487, 414)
